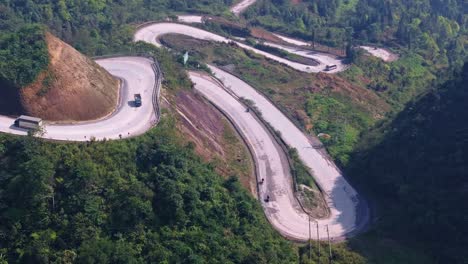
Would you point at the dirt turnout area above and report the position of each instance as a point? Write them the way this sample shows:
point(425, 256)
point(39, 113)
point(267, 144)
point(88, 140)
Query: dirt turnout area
point(381, 53)
point(74, 88)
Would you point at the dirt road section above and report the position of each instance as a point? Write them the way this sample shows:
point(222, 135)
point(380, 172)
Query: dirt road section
point(384, 54)
point(190, 19)
point(242, 6)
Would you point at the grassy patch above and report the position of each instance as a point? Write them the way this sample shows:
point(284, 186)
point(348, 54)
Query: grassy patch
point(300, 171)
point(397, 82)
point(338, 122)
point(238, 156)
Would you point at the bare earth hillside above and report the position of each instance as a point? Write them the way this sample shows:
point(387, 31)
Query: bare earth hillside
point(74, 88)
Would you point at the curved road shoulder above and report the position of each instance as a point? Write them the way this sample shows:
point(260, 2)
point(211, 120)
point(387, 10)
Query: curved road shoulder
point(138, 76)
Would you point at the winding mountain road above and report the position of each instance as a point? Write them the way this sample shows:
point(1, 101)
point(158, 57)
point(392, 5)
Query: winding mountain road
point(152, 32)
point(137, 76)
point(348, 212)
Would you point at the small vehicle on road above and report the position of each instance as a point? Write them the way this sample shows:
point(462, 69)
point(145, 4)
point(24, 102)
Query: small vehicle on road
point(330, 67)
point(28, 122)
point(137, 100)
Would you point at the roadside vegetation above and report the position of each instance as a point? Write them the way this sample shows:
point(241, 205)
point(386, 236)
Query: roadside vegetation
point(23, 55)
point(397, 82)
point(98, 27)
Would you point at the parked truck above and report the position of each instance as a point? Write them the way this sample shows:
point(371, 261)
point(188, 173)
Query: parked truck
point(137, 100)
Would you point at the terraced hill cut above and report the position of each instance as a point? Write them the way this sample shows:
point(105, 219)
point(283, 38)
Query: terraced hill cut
point(71, 88)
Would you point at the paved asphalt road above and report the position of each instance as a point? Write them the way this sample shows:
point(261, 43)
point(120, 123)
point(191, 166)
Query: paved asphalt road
point(137, 76)
point(150, 33)
point(348, 212)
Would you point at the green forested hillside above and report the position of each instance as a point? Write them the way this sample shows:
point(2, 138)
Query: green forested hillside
point(417, 167)
point(144, 200)
point(434, 29)
point(99, 26)
point(23, 55)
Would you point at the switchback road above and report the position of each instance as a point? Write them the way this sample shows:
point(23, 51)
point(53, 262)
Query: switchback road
point(152, 32)
point(349, 214)
point(137, 76)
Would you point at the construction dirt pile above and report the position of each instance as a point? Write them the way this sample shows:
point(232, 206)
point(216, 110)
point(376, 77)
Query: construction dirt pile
point(73, 88)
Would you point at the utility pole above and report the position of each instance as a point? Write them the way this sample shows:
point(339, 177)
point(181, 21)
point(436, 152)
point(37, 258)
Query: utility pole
point(318, 242)
point(310, 241)
point(329, 246)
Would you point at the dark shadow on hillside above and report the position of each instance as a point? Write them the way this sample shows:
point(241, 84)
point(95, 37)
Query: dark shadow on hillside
point(417, 169)
point(10, 102)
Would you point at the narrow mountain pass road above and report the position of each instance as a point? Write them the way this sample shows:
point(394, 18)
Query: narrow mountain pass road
point(137, 76)
point(381, 53)
point(283, 211)
point(152, 32)
point(349, 212)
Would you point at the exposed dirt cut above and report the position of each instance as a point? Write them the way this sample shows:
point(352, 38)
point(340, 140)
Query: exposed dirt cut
point(260, 33)
point(214, 138)
point(361, 97)
point(74, 88)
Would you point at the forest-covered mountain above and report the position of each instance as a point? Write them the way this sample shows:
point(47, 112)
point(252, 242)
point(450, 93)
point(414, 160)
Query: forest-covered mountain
point(151, 200)
point(434, 28)
point(417, 167)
